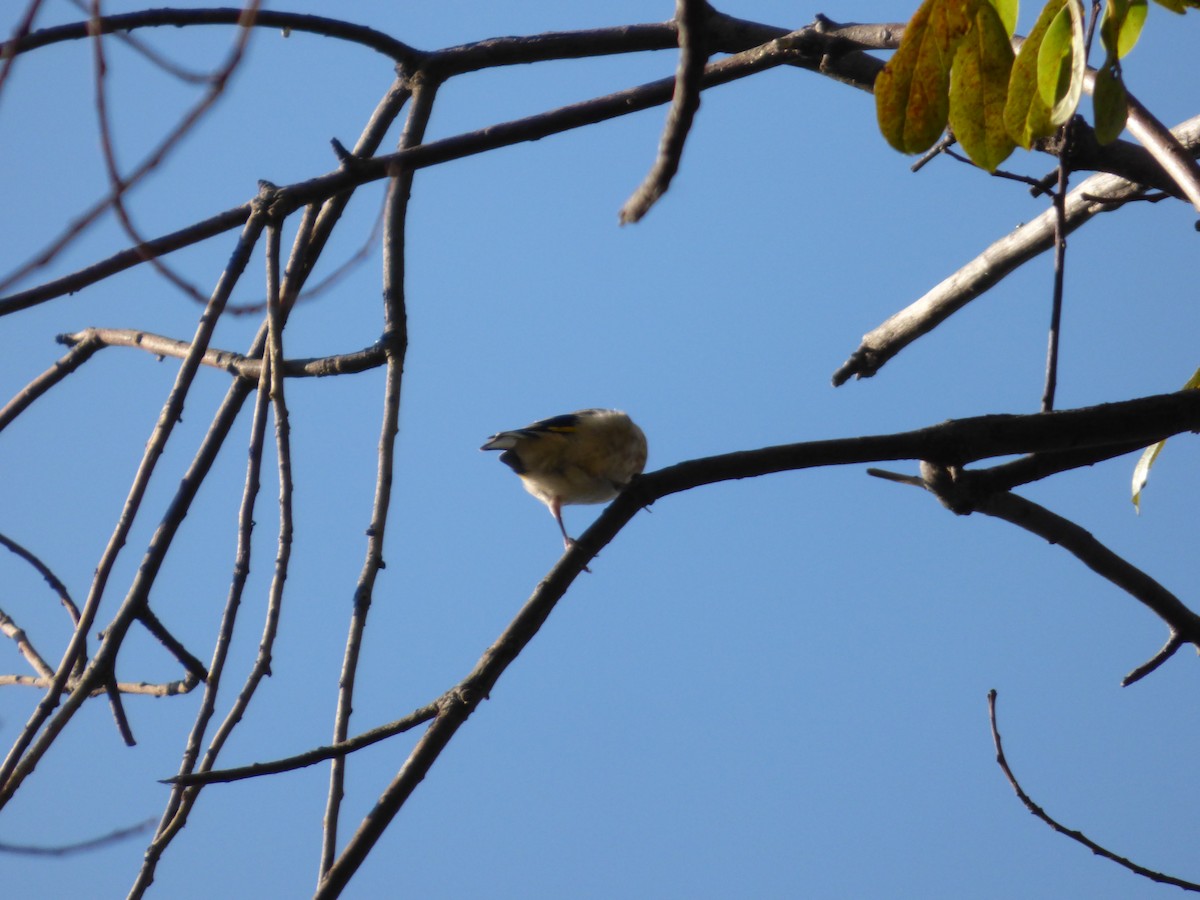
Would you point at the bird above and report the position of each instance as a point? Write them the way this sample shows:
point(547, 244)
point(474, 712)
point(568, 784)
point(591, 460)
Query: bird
point(587, 456)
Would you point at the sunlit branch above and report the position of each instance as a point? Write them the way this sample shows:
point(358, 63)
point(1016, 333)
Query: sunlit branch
point(239, 364)
point(1094, 195)
point(143, 688)
point(25, 647)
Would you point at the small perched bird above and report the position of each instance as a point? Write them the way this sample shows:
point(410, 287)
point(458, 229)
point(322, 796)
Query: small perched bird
point(583, 457)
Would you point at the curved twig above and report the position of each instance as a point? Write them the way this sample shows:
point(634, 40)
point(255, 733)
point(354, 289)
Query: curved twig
point(179, 18)
point(1077, 836)
point(83, 350)
point(96, 843)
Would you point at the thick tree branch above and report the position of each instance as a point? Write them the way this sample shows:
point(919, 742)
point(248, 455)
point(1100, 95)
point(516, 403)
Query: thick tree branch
point(963, 440)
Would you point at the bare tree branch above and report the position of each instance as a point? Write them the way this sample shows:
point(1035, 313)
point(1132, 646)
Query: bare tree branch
point(1077, 836)
point(10, 629)
point(112, 837)
point(118, 184)
point(26, 751)
point(1094, 195)
point(178, 18)
point(56, 585)
point(311, 757)
point(1104, 562)
point(239, 364)
point(959, 491)
point(395, 342)
point(1174, 642)
point(800, 48)
point(81, 352)
point(20, 31)
point(144, 688)
point(690, 17)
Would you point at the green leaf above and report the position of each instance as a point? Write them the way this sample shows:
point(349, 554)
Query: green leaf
point(1178, 6)
point(911, 92)
point(1141, 472)
point(1026, 117)
point(1061, 63)
point(1121, 26)
point(1007, 10)
point(979, 90)
point(1110, 105)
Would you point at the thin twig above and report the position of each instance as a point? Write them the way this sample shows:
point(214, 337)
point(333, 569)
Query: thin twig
point(1092, 553)
point(395, 342)
point(143, 688)
point(344, 268)
point(119, 186)
point(1174, 642)
point(20, 31)
point(310, 757)
point(239, 364)
point(1077, 836)
point(34, 740)
point(10, 629)
point(152, 624)
point(781, 51)
point(80, 353)
point(56, 585)
point(1060, 267)
point(180, 18)
point(120, 717)
point(181, 801)
point(690, 16)
point(112, 837)
point(155, 58)
point(270, 392)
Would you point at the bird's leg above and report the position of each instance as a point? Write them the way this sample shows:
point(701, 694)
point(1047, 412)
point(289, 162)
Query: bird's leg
point(568, 541)
point(556, 511)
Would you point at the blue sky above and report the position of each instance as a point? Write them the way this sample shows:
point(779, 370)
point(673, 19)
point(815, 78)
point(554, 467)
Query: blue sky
point(768, 688)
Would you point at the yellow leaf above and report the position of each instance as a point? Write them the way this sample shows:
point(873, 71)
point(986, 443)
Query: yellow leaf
point(979, 89)
point(911, 92)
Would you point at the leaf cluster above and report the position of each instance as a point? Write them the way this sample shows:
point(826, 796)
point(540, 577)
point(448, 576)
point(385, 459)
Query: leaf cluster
point(956, 66)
